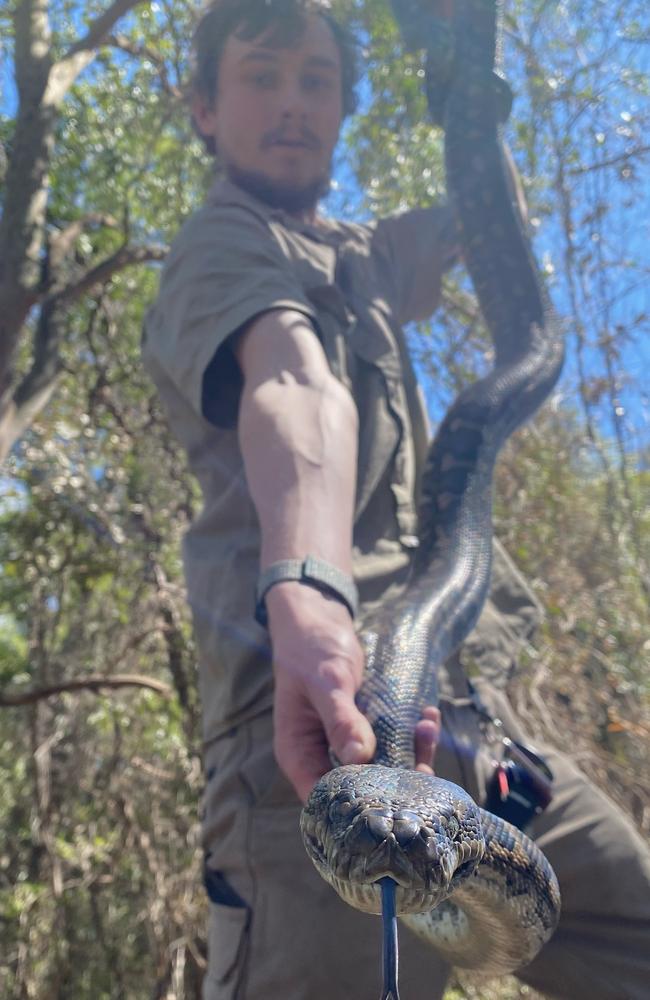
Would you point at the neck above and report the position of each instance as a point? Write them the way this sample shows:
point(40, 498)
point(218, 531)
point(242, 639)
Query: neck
point(299, 203)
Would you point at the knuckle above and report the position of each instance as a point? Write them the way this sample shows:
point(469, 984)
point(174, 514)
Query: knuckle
point(340, 731)
point(333, 673)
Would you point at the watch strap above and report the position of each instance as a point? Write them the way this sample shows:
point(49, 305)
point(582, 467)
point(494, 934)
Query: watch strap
point(311, 571)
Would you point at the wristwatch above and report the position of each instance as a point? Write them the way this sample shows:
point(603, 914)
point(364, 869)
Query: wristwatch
point(313, 572)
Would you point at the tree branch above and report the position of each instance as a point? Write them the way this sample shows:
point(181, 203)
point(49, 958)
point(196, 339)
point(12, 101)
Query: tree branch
point(82, 53)
point(94, 683)
point(26, 184)
point(62, 241)
point(124, 257)
point(19, 406)
point(613, 161)
point(143, 52)
point(18, 409)
point(42, 86)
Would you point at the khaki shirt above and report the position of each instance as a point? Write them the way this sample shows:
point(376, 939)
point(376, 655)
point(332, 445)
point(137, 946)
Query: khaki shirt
point(234, 259)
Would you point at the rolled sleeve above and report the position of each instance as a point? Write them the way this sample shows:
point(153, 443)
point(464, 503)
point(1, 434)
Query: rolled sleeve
point(415, 249)
point(224, 269)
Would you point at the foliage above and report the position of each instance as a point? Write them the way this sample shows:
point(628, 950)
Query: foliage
point(99, 859)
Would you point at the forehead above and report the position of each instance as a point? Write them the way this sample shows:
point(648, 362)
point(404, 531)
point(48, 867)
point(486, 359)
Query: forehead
point(313, 42)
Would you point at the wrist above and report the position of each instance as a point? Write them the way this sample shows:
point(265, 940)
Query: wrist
point(308, 573)
point(293, 603)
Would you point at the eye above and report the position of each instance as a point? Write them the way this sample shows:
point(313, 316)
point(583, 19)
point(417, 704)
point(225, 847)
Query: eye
point(453, 826)
point(315, 83)
point(264, 80)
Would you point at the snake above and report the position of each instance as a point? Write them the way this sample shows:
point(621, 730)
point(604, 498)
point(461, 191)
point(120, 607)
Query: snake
point(470, 884)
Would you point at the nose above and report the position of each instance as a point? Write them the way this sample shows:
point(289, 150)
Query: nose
point(406, 826)
point(380, 824)
point(293, 104)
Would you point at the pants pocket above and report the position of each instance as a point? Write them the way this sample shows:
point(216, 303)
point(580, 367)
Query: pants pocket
point(228, 939)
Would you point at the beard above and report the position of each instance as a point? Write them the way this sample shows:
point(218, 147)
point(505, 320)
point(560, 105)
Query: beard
point(280, 194)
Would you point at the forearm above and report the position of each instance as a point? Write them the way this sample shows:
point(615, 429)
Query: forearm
point(298, 436)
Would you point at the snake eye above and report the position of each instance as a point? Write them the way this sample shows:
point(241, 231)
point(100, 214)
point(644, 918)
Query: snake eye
point(453, 826)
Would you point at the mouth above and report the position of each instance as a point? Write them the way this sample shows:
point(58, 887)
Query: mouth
point(366, 896)
point(292, 147)
point(291, 142)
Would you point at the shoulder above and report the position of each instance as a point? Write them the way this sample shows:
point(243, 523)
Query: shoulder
point(219, 225)
point(221, 244)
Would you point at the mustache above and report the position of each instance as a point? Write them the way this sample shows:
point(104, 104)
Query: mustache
point(283, 134)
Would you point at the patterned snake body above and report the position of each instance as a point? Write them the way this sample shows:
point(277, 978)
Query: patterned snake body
point(472, 885)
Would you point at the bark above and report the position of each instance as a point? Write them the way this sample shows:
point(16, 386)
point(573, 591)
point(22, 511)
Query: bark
point(20, 407)
point(26, 183)
point(42, 85)
point(21, 404)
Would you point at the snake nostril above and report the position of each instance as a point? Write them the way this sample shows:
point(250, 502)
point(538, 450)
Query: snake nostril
point(379, 824)
point(405, 829)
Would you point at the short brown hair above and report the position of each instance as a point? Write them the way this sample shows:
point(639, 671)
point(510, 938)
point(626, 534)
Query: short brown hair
point(247, 19)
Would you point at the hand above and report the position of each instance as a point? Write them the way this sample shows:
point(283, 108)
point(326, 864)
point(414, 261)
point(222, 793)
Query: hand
point(318, 666)
point(427, 737)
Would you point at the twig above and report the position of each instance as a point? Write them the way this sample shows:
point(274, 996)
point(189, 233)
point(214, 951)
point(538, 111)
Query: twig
point(92, 683)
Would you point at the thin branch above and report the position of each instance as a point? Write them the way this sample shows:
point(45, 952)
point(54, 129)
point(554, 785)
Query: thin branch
point(62, 241)
point(142, 52)
point(611, 162)
point(98, 275)
point(94, 683)
point(101, 26)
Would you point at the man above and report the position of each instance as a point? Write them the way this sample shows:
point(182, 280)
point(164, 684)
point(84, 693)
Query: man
point(276, 345)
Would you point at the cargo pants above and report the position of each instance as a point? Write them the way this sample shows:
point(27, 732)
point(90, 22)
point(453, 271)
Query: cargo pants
point(279, 932)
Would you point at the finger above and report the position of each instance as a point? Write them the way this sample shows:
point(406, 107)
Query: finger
point(303, 757)
point(426, 739)
point(348, 731)
point(307, 771)
point(300, 744)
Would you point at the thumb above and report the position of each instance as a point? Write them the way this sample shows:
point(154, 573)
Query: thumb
point(349, 733)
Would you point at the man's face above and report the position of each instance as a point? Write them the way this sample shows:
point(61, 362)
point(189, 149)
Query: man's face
point(277, 114)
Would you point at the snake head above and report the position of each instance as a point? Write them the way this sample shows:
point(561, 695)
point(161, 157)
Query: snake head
point(366, 822)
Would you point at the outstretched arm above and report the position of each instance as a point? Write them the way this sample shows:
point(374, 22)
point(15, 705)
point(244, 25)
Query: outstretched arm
point(298, 435)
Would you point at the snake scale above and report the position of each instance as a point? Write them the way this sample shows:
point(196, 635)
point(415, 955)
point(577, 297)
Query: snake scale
point(475, 887)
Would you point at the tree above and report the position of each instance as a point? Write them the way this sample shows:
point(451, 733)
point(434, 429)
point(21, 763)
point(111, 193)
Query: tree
point(100, 860)
point(42, 271)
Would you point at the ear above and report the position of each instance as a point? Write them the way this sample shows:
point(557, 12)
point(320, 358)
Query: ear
point(204, 115)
